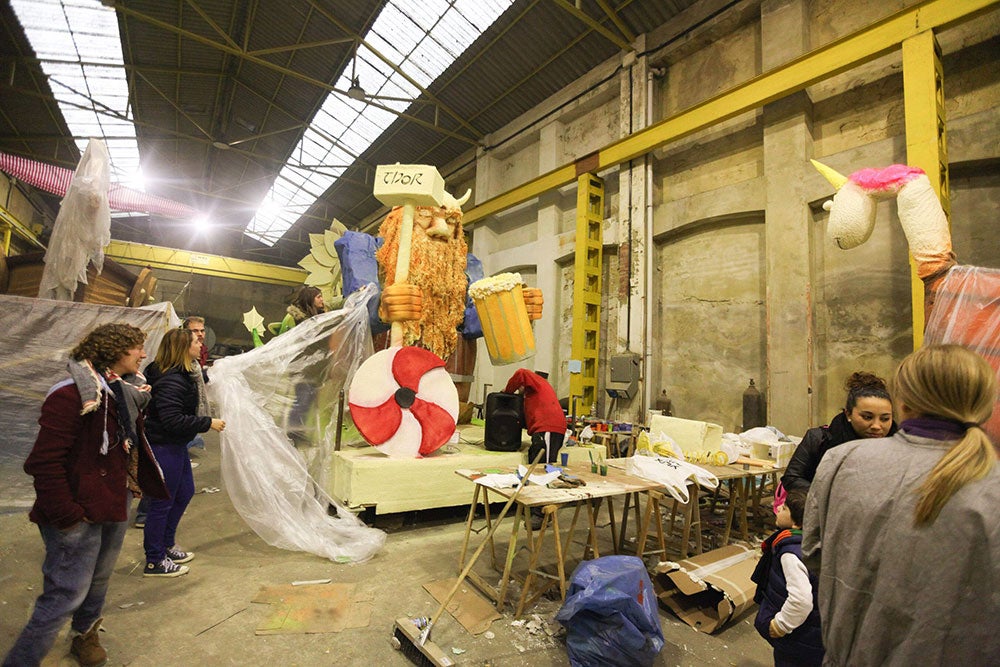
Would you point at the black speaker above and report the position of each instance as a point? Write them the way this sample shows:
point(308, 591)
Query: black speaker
point(503, 421)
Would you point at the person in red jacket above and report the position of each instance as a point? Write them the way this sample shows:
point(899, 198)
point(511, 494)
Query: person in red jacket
point(544, 419)
point(91, 453)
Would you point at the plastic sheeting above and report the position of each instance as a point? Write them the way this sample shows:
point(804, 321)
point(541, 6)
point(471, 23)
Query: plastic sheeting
point(38, 336)
point(280, 403)
point(82, 228)
point(966, 312)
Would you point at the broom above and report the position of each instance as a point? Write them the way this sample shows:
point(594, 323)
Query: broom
point(413, 642)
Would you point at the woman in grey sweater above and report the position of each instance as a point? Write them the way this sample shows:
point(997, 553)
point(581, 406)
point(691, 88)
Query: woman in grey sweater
point(907, 527)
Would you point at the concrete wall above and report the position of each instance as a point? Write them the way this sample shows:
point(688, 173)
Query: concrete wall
point(744, 283)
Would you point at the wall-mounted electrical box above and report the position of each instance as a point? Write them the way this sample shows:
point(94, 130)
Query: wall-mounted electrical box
point(623, 376)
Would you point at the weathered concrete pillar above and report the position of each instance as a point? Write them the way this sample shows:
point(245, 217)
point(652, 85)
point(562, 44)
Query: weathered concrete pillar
point(543, 255)
point(787, 148)
point(484, 176)
point(626, 293)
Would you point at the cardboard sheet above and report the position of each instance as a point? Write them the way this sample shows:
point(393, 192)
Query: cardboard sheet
point(313, 609)
point(709, 590)
point(469, 608)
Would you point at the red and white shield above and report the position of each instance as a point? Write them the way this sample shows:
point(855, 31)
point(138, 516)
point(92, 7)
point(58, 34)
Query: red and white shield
point(404, 402)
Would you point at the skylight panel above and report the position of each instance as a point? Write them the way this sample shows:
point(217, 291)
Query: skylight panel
point(426, 13)
point(481, 13)
point(423, 40)
point(450, 28)
point(64, 34)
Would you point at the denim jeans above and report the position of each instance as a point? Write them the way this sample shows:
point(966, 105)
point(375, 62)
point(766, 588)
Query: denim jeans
point(78, 564)
point(164, 515)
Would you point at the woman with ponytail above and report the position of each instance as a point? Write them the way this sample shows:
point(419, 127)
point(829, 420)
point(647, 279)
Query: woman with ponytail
point(908, 529)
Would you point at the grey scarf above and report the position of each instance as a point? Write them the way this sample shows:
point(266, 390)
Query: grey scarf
point(198, 377)
point(131, 391)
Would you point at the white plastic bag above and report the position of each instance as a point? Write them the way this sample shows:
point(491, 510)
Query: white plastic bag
point(672, 473)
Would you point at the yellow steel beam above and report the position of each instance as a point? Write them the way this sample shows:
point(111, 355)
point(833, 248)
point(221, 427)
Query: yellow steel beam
point(10, 223)
point(923, 100)
point(839, 56)
point(158, 257)
point(587, 270)
point(594, 25)
point(613, 15)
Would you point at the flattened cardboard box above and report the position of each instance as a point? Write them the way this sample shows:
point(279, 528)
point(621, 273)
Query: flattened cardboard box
point(709, 590)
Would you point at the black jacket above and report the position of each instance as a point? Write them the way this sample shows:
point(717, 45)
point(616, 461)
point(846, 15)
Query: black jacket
point(817, 442)
point(173, 412)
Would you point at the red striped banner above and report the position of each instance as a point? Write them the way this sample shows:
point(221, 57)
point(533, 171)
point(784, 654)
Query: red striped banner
point(120, 198)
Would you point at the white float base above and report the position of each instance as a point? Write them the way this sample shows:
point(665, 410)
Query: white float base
point(364, 477)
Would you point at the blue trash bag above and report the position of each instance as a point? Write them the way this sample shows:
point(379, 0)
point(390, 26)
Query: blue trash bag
point(611, 614)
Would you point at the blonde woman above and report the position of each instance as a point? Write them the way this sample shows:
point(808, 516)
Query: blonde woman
point(908, 527)
point(172, 422)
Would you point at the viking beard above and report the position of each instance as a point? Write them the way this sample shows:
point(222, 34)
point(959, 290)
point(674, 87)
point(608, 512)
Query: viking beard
point(437, 267)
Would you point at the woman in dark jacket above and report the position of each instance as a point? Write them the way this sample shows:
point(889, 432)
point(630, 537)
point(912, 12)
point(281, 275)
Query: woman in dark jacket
point(868, 414)
point(172, 422)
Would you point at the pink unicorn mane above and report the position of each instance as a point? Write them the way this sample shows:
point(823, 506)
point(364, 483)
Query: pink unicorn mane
point(890, 178)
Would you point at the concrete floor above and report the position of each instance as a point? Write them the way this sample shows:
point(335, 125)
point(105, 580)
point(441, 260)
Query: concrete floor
point(207, 617)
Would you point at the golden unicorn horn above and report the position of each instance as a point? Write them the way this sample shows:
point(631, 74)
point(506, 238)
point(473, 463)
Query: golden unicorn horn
point(836, 179)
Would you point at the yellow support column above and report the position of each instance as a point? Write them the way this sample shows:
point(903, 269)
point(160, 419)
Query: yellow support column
point(587, 267)
point(923, 99)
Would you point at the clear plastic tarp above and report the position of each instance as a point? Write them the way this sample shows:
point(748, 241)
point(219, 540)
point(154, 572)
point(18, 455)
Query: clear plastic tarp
point(82, 228)
point(966, 312)
point(281, 403)
point(38, 337)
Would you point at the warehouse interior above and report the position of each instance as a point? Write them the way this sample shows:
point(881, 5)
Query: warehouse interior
point(685, 127)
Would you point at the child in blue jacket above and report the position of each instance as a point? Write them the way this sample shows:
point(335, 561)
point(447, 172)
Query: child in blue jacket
point(789, 616)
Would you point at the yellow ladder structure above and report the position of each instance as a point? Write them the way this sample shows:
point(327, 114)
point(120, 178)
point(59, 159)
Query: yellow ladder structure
point(926, 145)
point(587, 267)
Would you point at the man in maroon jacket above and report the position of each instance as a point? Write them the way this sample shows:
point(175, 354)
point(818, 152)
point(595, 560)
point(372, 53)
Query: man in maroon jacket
point(90, 451)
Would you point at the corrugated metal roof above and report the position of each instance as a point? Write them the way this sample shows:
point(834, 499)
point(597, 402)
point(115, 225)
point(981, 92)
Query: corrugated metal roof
point(224, 92)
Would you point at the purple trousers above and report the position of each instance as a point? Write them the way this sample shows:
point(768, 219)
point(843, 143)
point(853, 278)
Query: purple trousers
point(164, 515)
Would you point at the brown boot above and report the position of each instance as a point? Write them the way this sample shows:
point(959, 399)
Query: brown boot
point(87, 647)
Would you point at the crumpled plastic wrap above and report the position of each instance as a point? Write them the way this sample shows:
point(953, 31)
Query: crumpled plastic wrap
point(82, 228)
point(280, 405)
point(966, 312)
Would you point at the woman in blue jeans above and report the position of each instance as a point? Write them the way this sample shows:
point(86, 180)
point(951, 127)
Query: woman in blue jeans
point(172, 422)
point(90, 435)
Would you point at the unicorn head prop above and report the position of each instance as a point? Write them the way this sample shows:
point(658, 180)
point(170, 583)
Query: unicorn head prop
point(852, 212)
point(962, 303)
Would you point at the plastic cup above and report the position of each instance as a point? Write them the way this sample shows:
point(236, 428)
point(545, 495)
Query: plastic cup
point(593, 467)
point(604, 471)
point(564, 458)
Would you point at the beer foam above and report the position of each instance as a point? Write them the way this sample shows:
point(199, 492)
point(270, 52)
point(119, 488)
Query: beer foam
point(502, 282)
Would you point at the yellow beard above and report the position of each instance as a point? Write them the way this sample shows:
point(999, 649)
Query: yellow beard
point(437, 267)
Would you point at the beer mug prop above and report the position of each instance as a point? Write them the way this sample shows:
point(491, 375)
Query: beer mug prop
point(506, 327)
